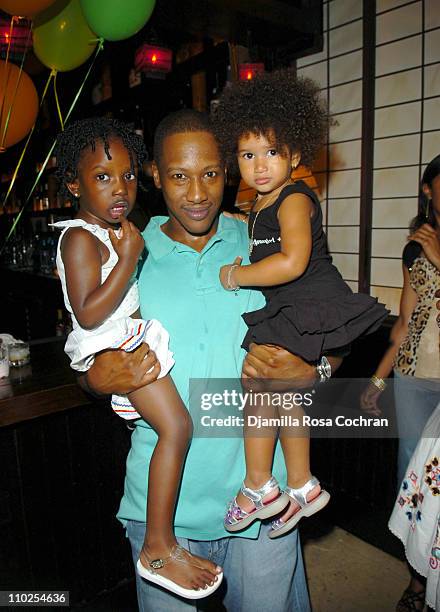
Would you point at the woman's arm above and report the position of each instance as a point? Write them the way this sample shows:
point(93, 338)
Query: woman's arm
point(294, 216)
point(91, 301)
point(399, 331)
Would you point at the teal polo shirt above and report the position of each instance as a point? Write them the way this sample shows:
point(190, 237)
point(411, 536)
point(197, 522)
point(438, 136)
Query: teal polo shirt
point(181, 288)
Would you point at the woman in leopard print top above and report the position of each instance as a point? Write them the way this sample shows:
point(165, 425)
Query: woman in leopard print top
point(414, 351)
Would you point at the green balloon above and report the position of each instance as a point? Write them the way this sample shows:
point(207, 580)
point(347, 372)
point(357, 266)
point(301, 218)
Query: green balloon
point(62, 37)
point(117, 19)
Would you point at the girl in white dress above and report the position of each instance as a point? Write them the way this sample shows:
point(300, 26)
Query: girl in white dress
point(98, 164)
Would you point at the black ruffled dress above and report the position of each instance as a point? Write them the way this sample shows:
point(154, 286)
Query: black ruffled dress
point(317, 313)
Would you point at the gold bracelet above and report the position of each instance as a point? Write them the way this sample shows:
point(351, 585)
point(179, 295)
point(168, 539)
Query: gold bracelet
point(378, 382)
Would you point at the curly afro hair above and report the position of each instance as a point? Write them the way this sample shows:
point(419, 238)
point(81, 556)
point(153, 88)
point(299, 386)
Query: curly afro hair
point(86, 133)
point(285, 109)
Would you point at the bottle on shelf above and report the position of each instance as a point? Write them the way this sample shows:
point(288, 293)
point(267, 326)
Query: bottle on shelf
point(60, 328)
point(45, 197)
point(138, 122)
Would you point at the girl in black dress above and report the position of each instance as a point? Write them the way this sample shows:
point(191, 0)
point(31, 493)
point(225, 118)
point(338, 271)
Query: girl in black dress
point(267, 126)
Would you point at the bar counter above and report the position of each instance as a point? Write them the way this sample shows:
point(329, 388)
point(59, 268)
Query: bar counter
point(62, 458)
point(46, 386)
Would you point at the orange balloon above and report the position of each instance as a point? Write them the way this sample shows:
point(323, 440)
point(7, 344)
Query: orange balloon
point(24, 8)
point(24, 104)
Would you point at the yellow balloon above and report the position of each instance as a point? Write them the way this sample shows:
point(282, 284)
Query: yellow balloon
point(62, 38)
point(24, 103)
point(24, 8)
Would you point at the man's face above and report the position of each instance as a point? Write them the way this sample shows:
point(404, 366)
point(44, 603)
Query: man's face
point(191, 176)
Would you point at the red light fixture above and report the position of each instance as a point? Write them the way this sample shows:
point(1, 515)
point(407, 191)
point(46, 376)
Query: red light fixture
point(153, 61)
point(21, 37)
point(247, 72)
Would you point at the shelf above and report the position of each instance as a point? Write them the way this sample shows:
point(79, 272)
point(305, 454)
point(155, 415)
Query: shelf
point(64, 211)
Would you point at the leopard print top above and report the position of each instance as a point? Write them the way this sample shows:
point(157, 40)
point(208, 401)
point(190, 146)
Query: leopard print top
point(419, 353)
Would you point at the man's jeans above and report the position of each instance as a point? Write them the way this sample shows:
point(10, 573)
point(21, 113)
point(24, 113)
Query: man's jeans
point(259, 575)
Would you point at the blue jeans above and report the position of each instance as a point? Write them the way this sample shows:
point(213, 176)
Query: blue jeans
point(416, 399)
point(259, 575)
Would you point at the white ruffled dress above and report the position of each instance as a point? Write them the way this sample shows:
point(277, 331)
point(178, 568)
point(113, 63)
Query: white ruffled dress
point(119, 331)
point(416, 516)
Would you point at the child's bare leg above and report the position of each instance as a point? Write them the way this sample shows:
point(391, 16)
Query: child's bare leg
point(259, 446)
point(161, 406)
point(296, 451)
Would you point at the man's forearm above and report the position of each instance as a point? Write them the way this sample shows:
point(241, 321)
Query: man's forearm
point(83, 382)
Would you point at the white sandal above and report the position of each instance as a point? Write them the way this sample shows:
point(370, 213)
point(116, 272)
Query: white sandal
point(181, 555)
point(306, 508)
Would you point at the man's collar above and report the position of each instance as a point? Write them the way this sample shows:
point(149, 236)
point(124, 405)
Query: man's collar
point(160, 245)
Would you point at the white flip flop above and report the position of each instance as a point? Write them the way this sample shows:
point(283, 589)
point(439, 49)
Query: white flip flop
point(176, 554)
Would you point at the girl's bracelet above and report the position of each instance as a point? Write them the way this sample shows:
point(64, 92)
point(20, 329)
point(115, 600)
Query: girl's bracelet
point(231, 287)
point(379, 383)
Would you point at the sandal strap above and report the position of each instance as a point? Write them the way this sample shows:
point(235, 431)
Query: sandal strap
point(300, 495)
point(409, 600)
point(177, 553)
point(256, 495)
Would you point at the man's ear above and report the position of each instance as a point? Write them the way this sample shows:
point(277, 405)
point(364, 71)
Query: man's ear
point(156, 175)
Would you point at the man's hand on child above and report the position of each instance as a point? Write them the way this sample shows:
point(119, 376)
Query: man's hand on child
point(279, 369)
point(120, 372)
point(130, 243)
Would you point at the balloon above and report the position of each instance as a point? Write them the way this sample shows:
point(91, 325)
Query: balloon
point(62, 37)
point(117, 19)
point(24, 8)
point(24, 104)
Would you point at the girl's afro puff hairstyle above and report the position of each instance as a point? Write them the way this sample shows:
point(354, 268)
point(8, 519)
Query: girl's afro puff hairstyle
point(86, 133)
point(284, 108)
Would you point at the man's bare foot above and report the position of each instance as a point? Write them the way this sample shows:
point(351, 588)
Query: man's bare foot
point(180, 566)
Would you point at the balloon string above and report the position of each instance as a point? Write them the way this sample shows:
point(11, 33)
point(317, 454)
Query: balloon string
point(43, 167)
point(6, 76)
point(5, 129)
point(26, 144)
point(60, 116)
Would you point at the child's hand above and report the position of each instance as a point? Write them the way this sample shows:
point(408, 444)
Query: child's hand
point(130, 244)
point(227, 275)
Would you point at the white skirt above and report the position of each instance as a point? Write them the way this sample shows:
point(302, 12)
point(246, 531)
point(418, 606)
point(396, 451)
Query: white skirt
point(416, 516)
point(124, 334)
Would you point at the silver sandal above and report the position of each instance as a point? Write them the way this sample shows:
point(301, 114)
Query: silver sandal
point(236, 518)
point(306, 508)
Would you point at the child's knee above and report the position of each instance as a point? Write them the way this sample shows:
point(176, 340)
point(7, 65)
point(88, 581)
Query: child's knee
point(180, 429)
point(186, 426)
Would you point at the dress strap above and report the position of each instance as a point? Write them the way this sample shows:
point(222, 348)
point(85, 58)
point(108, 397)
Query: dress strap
point(99, 232)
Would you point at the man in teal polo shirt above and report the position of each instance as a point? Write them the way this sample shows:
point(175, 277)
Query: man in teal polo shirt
point(179, 285)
